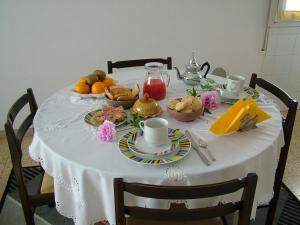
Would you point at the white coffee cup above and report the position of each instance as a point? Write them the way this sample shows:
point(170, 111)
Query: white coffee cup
point(235, 84)
point(155, 131)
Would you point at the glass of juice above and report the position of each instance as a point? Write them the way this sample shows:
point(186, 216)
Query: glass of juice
point(156, 81)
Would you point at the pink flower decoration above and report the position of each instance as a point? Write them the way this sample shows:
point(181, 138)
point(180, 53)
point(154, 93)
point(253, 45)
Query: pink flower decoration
point(211, 99)
point(106, 131)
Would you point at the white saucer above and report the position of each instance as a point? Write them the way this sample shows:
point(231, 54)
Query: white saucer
point(140, 143)
point(229, 95)
point(137, 143)
point(177, 137)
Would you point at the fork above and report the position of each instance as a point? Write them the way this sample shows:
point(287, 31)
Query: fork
point(197, 148)
point(203, 144)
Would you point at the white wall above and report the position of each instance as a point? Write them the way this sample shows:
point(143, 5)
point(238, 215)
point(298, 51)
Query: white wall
point(281, 64)
point(47, 45)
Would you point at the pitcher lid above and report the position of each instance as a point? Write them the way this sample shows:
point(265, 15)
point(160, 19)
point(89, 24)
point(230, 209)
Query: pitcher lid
point(153, 66)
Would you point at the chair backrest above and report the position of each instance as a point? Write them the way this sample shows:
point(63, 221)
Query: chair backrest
point(291, 104)
point(244, 206)
point(288, 124)
point(137, 62)
point(219, 71)
point(14, 138)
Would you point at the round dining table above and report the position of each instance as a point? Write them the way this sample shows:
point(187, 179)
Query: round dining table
point(84, 168)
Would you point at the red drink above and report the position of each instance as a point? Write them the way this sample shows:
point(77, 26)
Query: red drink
point(156, 88)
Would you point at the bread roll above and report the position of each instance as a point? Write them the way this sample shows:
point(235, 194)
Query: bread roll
point(187, 99)
point(187, 109)
point(172, 103)
point(196, 104)
point(180, 106)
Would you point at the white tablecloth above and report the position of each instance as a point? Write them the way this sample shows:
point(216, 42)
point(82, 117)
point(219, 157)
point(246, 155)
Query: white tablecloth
point(84, 168)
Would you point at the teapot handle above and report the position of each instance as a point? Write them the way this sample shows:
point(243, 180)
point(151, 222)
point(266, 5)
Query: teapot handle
point(167, 80)
point(178, 73)
point(208, 68)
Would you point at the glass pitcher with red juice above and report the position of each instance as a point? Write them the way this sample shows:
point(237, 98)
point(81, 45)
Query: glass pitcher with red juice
point(156, 81)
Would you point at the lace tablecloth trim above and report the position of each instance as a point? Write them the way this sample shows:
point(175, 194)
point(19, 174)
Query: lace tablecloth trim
point(72, 187)
point(74, 218)
point(174, 175)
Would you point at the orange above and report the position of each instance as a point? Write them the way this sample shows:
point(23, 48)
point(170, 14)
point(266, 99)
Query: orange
point(82, 88)
point(109, 81)
point(83, 79)
point(98, 87)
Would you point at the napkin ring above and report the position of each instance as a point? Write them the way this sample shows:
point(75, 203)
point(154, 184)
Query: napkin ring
point(248, 123)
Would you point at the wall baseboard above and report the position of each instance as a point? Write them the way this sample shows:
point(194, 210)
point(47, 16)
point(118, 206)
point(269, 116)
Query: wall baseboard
point(2, 134)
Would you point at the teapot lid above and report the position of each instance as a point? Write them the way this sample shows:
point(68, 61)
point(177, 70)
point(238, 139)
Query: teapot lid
point(193, 65)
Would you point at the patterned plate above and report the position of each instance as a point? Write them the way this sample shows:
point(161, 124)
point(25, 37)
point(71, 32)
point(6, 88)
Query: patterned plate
point(90, 119)
point(184, 147)
point(137, 144)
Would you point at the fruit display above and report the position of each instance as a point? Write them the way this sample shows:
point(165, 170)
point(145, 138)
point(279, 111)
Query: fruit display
point(94, 83)
point(98, 87)
point(120, 93)
point(109, 81)
point(82, 88)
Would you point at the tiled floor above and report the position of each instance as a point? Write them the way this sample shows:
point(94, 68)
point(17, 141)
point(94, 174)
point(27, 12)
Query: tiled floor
point(292, 170)
point(5, 161)
point(291, 176)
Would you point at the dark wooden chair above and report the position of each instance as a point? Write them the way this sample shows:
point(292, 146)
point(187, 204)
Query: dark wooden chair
point(137, 62)
point(45, 195)
point(288, 124)
point(219, 71)
point(178, 213)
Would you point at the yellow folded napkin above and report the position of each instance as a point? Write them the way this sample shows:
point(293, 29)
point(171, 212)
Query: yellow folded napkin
point(243, 115)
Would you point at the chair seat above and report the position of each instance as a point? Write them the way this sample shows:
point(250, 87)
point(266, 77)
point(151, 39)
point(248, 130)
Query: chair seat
point(47, 184)
point(136, 221)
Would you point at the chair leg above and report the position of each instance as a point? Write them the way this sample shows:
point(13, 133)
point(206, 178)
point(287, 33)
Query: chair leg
point(29, 216)
point(51, 205)
point(272, 209)
point(224, 220)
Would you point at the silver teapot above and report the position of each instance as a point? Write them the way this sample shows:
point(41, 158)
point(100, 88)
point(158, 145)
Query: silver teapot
point(193, 72)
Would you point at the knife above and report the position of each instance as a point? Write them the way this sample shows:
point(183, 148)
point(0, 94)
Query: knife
point(203, 144)
point(197, 148)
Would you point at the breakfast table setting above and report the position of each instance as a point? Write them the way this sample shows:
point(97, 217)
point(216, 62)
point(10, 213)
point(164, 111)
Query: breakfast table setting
point(153, 126)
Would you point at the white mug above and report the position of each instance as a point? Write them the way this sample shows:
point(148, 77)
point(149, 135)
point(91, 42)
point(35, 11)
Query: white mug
point(235, 84)
point(155, 131)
